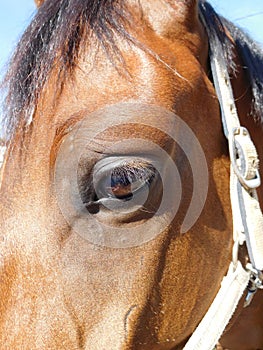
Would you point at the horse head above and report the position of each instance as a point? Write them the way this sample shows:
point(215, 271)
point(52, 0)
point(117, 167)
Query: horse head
point(115, 210)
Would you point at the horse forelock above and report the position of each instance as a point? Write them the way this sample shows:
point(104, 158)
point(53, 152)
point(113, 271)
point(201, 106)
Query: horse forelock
point(52, 42)
point(60, 29)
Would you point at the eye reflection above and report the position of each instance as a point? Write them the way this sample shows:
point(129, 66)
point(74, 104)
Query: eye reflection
point(121, 186)
point(123, 181)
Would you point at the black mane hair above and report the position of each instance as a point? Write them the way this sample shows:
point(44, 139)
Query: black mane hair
point(53, 40)
point(248, 50)
point(57, 32)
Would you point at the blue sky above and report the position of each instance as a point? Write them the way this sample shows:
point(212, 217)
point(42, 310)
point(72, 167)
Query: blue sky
point(16, 14)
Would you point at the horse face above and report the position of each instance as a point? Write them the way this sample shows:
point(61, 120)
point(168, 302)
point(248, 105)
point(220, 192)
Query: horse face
point(62, 290)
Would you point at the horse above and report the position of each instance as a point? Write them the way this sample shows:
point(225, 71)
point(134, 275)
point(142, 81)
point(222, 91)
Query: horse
point(113, 129)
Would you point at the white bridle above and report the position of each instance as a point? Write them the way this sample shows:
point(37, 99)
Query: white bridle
point(246, 212)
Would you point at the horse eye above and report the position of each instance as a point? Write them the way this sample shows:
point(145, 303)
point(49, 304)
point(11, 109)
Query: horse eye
point(124, 181)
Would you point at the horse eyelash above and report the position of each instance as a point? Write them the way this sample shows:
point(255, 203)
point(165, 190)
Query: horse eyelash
point(136, 171)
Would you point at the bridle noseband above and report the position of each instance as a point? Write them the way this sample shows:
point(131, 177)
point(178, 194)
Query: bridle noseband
point(246, 212)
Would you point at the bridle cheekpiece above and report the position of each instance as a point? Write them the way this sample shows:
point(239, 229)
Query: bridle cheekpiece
point(246, 213)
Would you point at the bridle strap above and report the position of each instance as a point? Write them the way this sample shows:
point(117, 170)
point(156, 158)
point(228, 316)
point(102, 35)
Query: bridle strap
point(210, 329)
point(246, 213)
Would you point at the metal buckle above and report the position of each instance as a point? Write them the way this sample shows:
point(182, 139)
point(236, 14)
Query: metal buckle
point(255, 283)
point(242, 151)
point(256, 276)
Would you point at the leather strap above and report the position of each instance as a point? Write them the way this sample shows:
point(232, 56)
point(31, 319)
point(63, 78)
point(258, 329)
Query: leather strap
point(246, 212)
